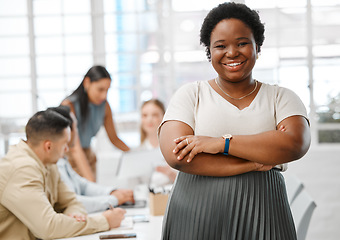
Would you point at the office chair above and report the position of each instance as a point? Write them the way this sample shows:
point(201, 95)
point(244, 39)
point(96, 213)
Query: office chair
point(293, 186)
point(302, 210)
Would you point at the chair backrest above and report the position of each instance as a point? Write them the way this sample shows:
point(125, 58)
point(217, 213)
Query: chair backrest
point(293, 186)
point(302, 209)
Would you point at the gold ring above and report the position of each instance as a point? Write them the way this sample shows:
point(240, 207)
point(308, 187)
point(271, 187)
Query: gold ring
point(187, 141)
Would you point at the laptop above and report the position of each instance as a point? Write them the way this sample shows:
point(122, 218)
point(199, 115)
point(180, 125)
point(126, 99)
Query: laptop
point(139, 163)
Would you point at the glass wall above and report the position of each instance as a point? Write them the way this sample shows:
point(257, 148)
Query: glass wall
point(62, 47)
point(14, 60)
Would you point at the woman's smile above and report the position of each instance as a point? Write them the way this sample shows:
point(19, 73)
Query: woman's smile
point(235, 66)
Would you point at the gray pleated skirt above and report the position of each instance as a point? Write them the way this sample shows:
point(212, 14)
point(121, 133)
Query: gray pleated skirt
point(250, 206)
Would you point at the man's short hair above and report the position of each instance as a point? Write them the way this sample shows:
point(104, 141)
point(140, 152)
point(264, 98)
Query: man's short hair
point(45, 125)
point(63, 110)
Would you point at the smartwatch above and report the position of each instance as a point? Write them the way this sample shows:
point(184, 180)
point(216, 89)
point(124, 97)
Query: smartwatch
point(227, 138)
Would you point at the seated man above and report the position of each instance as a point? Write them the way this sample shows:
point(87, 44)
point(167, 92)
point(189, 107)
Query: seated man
point(34, 202)
point(93, 196)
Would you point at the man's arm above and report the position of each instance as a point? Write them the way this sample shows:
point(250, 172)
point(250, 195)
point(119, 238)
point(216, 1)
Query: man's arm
point(96, 197)
point(93, 196)
point(81, 185)
point(97, 203)
point(25, 197)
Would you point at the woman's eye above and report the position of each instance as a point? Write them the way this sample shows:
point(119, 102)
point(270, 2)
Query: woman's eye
point(220, 46)
point(242, 43)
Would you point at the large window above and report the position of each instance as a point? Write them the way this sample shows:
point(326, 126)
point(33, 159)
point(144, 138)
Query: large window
point(152, 47)
point(62, 47)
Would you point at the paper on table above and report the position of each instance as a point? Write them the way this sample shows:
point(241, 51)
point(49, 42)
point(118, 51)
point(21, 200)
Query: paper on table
point(127, 223)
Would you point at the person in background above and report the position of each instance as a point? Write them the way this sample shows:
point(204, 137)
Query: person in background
point(93, 196)
point(152, 112)
point(92, 110)
point(34, 202)
point(230, 137)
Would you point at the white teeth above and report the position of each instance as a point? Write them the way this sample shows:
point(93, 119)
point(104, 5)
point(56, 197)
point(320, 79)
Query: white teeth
point(233, 64)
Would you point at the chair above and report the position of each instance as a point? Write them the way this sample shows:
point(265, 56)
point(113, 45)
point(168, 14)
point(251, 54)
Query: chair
point(302, 209)
point(294, 186)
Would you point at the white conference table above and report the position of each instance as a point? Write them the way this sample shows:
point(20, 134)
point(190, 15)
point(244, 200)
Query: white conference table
point(144, 230)
point(150, 230)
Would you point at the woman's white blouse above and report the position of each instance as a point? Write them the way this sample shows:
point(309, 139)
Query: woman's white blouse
point(209, 114)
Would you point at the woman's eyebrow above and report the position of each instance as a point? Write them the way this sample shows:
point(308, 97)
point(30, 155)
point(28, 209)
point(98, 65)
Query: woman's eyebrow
point(242, 38)
point(218, 41)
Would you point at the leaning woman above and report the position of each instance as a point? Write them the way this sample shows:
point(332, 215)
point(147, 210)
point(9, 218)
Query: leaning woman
point(92, 110)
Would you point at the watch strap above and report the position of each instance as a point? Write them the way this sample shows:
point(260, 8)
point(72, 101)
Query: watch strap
point(226, 146)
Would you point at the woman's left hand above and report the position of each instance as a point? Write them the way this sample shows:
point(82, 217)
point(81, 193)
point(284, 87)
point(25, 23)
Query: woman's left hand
point(191, 145)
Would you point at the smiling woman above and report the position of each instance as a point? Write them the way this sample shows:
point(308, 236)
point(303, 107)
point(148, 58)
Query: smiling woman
point(230, 137)
point(89, 104)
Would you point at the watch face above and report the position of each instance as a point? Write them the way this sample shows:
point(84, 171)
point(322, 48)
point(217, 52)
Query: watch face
point(227, 136)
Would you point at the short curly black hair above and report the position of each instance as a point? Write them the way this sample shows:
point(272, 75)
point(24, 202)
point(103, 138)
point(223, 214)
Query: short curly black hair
point(231, 10)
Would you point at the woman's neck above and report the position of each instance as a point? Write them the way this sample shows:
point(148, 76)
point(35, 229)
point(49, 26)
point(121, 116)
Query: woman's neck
point(153, 139)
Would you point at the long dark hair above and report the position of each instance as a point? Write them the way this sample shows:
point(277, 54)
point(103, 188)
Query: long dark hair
point(95, 73)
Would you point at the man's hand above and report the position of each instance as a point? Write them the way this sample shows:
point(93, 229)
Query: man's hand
point(123, 195)
point(79, 217)
point(114, 217)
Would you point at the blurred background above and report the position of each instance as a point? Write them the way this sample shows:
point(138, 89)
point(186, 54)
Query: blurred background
point(151, 47)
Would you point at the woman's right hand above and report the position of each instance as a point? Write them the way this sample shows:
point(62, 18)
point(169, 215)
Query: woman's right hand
point(192, 145)
point(114, 217)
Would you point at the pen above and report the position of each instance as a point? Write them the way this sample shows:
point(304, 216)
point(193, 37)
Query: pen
point(113, 236)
